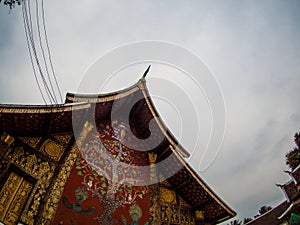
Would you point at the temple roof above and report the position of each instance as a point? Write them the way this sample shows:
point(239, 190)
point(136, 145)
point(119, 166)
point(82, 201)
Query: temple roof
point(290, 190)
point(170, 162)
point(39, 120)
point(292, 203)
point(295, 174)
point(271, 217)
point(134, 106)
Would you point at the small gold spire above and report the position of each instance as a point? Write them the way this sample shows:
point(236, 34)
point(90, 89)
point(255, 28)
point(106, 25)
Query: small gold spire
point(199, 215)
point(152, 157)
point(7, 139)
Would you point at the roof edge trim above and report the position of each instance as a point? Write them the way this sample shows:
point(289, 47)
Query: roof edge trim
point(5, 108)
point(97, 98)
point(142, 86)
point(204, 185)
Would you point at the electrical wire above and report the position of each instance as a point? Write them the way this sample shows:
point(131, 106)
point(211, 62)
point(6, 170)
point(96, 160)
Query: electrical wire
point(49, 53)
point(35, 54)
point(28, 22)
point(31, 59)
point(40, 67)
point(42, 49)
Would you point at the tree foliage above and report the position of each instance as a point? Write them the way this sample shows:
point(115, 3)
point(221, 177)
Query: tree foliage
point(264, 209)
point(11, 3)
point(293, 156)
point(247, 220)
point(236, 222)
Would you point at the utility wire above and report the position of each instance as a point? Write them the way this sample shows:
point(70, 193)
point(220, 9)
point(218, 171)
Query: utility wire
point(45, 84)
point(30, 54)
point(40, 67)
point(42, 49)
point(49, 53)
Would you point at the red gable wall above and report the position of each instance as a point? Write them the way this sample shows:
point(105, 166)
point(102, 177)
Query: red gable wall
point(105, 169)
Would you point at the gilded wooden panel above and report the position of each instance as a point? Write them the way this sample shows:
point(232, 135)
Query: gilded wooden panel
point(31, 141)
point(174, 210)
point(52, 149)
point(25, 205)
point(63, 138)
point(13, 197)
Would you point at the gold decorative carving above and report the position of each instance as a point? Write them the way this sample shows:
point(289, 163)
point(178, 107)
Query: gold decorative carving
point(30, 163)
point(16, 154)
point(173, 214)
point(167, 196)
point(152, 157)
point(63, 138)
point(17, 205)
point(87, 128)
point(43, 109)
point(35, 167)
point(57, 188)
point(155, 211)
point(8, 192)
point(199, 215)
point(52, 149)
point(13, 197)
point(31, 141)
point(7, 139)
point(103, 98)
point(174, 210)
point(183, 204)
point(165, 183)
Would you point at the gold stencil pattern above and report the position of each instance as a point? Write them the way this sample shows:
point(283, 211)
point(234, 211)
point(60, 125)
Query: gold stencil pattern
point(174, 210)
point(31, 141)
point(29, 163)
point(35, 167)
point(154, 205)
point(63, 138)
point(13, 197)
point(167, 196)
point(58, 187)
point(173, 214)
point(8, 192)
point(52, 149)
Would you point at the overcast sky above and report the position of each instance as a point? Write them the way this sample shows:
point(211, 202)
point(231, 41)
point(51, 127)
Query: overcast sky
point(252, 48)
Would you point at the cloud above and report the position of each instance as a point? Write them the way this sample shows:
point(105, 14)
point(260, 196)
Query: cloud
point(252, 47)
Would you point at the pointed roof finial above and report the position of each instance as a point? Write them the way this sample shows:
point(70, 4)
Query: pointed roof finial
point(145, 73)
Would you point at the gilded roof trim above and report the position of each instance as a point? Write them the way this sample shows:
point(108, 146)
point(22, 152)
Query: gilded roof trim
point(94, 98)
point(5, 108)
point(159, 122)
point(102, 97)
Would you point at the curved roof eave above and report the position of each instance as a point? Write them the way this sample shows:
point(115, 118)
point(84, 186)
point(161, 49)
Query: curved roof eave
point(205, 186)
point(36, 109)
point(176, 148)
point(139, 86)
point(35, 120)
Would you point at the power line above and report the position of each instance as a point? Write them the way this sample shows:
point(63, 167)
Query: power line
point(31, 59)
point(42, 49)
point(40, 67)
point(49, 53)
point(28, 24)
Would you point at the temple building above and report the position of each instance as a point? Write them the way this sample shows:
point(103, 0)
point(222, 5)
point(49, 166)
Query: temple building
point(99, 159)
point(288, 212)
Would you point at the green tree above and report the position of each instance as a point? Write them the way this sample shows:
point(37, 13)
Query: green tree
point(11, 3)
point(264, 209)
point(247, 219)
point(293, 156)
point(235, 222)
